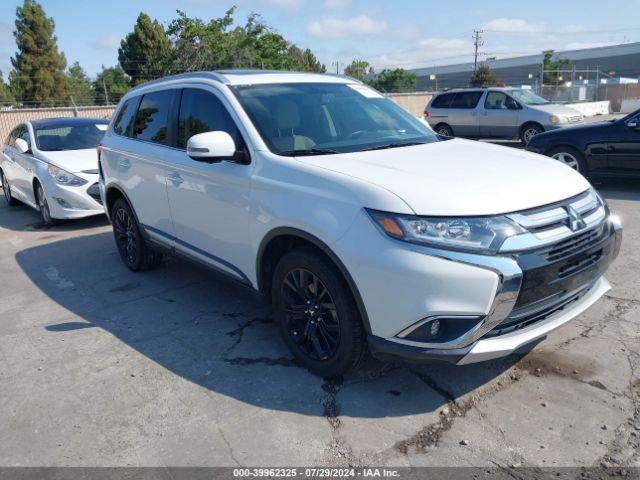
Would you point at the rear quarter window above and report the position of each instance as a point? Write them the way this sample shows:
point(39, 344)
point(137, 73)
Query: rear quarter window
point(442, 101)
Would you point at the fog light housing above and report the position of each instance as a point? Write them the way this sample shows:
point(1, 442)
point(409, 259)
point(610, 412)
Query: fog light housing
point(439, 329)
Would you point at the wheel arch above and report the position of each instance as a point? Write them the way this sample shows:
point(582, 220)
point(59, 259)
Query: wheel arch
point(112, 193)
point(440, 124)
point(530, 122)
point(280, 240)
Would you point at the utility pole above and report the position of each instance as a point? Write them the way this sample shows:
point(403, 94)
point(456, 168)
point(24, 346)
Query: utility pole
point(106, 95)
point(477, 42)
point(337, 64)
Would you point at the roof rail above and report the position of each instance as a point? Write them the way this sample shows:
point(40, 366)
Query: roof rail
point(207, 75)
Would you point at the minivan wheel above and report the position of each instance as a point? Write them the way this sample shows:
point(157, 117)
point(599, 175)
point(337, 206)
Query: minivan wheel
point(529, 131)
point(570, 157)
point(43, 205)
point(6, 189)
point(444, 130)
point(317, 316)
point(133, 250)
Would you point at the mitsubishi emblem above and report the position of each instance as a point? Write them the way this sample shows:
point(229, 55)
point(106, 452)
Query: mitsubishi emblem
point(575, 219)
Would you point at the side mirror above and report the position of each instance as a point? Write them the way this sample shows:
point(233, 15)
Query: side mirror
point(211, 147)
point(21, 145)
point(513, 106)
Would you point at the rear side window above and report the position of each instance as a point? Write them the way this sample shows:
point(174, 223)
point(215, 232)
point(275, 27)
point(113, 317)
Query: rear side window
point(151, 121)
point(465, 100)
point(124, 120)
point(202, 111)
point(442, 101)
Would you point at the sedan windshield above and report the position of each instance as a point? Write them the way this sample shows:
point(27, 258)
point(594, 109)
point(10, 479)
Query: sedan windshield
point(528, 97)
point(77, 137)
point(328, 118)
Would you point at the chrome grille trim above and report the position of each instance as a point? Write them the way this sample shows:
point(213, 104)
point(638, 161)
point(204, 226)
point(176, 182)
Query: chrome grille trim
point(550, 225)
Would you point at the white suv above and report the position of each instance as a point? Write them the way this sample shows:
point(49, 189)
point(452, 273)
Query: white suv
point(365, 229)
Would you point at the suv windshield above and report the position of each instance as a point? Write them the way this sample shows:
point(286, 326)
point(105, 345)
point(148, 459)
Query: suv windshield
point(77, 137)
point(326, 118)
point(528, 98)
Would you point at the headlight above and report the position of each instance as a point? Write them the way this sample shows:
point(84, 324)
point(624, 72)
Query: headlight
point(476, 234)
point(63, 177)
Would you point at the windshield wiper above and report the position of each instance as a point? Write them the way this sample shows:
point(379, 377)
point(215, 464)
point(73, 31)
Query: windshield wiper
point(393, 145)
point(309, 151)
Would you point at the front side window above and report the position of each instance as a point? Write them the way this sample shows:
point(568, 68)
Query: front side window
point(124, 120)
point(321, 118)
point(152, 118)
point(72, 137)
point(497, 101)
point(466, 100)
point(202, 111)
point(24, 135)
point(11, 140)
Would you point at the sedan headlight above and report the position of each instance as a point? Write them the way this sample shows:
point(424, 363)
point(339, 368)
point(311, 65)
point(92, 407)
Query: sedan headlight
point(62, 177)
point(475, 234)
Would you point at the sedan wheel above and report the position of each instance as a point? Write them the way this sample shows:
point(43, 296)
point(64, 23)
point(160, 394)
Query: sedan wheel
point(44, 206)
point(568, 159)
point(6, 189)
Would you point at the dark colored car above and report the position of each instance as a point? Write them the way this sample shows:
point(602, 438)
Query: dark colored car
point(602, 149)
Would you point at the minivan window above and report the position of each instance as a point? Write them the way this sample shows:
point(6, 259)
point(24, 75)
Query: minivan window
point(497, 101)
point(465, 100)
point(202, 111)
point(324, 118)
point(442, 101)
point(124, 119)
point(152, 118)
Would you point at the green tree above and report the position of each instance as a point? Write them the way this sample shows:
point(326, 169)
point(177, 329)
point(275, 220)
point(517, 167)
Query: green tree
point(6, 95)
point(304, 60)
point(114, 82)
point(79, 86)
point(358, 69)
point(554, 70)
point(398, 80)
point(38, 67)
point(483, 76)
point(144, 53)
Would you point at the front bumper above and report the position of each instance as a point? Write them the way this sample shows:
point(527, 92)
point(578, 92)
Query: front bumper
point(66, 202)
point(520, 319)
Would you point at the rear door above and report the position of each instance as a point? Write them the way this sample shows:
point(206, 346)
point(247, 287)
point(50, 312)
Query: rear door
point(500, 116)
point(439, 109)
point(623, 147)
point(463, 113)
point(141, 160)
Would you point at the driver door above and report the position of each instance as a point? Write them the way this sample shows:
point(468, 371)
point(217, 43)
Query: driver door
point(623, 147)
point(500, 116)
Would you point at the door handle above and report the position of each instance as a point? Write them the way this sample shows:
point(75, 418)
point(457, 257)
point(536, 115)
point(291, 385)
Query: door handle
point(124, 163)
point(175, 178)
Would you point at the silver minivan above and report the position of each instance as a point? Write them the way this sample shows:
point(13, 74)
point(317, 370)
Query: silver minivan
point(496, 113)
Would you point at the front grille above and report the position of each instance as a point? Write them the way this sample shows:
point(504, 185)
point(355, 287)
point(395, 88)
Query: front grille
point(94, 192)
point(527, 316)
point(573, 245)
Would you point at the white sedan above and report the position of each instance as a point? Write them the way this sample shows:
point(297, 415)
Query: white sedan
point(52, 166)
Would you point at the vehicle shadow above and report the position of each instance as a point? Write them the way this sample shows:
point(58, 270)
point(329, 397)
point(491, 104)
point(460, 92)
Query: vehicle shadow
point(618, 188)
point(220, 335)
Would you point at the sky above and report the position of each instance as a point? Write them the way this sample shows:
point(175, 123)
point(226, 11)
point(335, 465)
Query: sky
point(407, 34)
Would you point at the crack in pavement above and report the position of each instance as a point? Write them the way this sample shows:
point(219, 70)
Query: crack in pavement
point(430, 435)
point(239, 332)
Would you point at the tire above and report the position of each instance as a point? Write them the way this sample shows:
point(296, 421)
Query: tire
point(43, 205)
point(6, 189)
point(571, 157)
point(317, 315)
point(528, 131)
point(133, 249)
point(444, 130)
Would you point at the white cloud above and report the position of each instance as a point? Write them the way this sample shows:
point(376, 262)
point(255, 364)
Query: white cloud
point(335, 4)
point(286, 3)
point(515, 25)
point(574, 28)
point(108, 42)
point(359, 26)
point(428, 51)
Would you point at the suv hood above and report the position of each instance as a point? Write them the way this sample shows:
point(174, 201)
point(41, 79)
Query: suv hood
point(460, 177)
point(557, 109)
point(73, 161)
